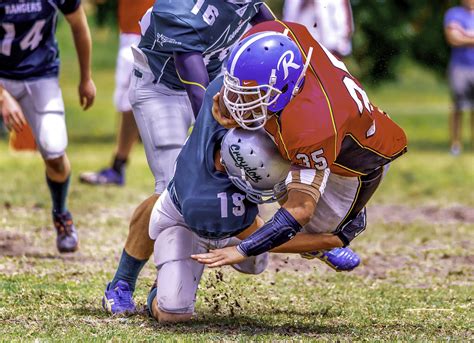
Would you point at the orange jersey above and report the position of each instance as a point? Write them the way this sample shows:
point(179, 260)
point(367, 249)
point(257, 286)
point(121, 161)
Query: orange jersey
point(331, 122)
point(129, 14)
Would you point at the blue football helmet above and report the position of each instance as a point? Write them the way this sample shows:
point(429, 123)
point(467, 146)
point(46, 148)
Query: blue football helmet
point(264, 72)
point(254, 165)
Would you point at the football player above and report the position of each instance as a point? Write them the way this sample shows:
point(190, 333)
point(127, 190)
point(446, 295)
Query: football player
point(29, 90)
point(129, 14)
point(322, 121)
point(182, 47)
point(232, 171)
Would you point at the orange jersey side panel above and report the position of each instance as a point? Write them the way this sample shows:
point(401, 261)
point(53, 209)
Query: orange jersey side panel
point(129, 14)
point(331, 123)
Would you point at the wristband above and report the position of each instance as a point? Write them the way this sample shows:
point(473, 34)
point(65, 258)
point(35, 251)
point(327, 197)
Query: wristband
point(278, 230)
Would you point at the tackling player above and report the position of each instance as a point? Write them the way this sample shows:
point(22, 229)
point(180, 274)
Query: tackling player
point(321, 119)
point(232, 171)
point(29, 90)
point(182, 47)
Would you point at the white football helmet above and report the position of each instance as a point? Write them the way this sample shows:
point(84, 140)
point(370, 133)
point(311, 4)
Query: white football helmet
point(254, 165)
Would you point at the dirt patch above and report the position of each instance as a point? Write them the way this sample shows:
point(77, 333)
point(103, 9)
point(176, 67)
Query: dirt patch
point(293, 263)
point(380, 266)
point(432, 214)
point(14, 244)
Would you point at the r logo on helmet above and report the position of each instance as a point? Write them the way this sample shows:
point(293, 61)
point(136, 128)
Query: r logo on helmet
point(287, 60)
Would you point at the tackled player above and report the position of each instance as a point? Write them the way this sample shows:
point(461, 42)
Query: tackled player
point(182, 47)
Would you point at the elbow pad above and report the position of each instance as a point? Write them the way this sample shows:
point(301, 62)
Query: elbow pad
point(278, 230)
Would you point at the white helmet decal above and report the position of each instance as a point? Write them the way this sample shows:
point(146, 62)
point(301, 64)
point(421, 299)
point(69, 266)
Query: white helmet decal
point(287, 61)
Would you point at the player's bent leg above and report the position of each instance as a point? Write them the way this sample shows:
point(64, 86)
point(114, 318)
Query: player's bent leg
point(139, 244)
point(178, 275)
point(160, 315)
point(173, 299)
point(118, 295)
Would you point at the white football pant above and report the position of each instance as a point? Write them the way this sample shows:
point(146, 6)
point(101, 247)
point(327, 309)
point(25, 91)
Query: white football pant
point(163, 117)
point(42, 104)
point(178, 274)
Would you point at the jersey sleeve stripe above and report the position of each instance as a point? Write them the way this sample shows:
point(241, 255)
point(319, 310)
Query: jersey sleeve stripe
point(307, 176)
point(295, 38)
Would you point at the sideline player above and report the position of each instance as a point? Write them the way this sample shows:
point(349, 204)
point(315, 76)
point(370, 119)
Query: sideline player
point(233, 171)
point(182, 47)
point(329, 21)
point(29, 90)
point(129, 14)
point(459, 32)
point(321, 120)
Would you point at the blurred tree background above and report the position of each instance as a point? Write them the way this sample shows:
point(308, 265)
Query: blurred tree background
point(387, 32)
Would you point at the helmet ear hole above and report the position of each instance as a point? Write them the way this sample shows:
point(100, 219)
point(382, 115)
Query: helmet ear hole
point(284, 89)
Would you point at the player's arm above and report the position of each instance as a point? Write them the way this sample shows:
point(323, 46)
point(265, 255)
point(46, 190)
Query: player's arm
point(193, 74)
point(282, 227)
point(456, 36)
point(264, 14)
point(82, 40)
point(303, 241)
point(11, 111)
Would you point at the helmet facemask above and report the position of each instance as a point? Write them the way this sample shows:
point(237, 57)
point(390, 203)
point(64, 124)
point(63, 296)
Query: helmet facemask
point(264, 72)
point(250, 114)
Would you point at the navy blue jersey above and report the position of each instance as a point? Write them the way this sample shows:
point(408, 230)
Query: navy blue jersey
point(210, 27)
point(28, 48)
point(211, 205)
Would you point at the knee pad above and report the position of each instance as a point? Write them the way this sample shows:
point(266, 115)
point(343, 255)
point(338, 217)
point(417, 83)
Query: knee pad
point(52, 136)
point(177, 286)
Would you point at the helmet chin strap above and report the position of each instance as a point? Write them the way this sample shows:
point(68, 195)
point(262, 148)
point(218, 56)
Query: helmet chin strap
point(303, 73)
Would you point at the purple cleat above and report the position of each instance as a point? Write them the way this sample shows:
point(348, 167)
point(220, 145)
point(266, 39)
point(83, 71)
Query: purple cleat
point(339, 259)
point(118, 300)
point(67, 239)
point(107, 176)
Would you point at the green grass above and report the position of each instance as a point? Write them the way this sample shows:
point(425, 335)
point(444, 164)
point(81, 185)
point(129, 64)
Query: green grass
point(415, 282)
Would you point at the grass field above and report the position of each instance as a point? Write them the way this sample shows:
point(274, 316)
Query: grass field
point(415, 282)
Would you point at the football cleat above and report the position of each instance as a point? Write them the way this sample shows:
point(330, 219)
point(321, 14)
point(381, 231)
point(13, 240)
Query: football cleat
point(118, 300)
point(107, 176)
point(67, 239)
point(339, 259)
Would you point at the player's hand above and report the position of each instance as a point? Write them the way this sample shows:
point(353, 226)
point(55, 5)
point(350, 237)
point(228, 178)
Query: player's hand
point(87, 92)
point(220, 115)
point(12, 113)
point(220, 257)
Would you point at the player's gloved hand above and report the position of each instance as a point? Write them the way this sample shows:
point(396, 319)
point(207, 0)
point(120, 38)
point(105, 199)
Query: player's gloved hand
point(353, 228)
point(339, 259)
point(220, 257)
point(87, 93)
point(11, 112)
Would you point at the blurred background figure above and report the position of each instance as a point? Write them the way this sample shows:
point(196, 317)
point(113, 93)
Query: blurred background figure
point(459, 32)
point(129, 13)
point(329, 21)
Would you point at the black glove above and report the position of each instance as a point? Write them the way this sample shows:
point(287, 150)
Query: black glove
point(352, 228)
